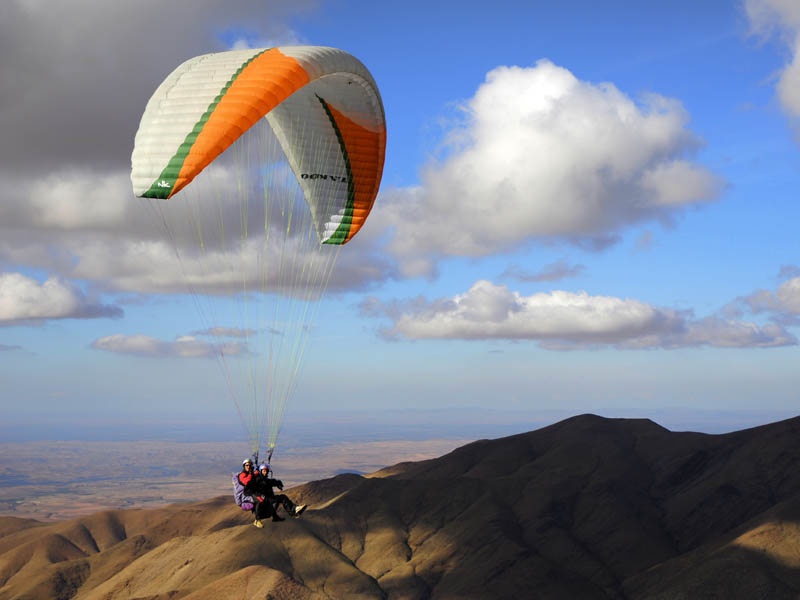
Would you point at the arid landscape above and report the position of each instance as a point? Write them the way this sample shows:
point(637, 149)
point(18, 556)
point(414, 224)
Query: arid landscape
point(590, 507)
point(51, 481)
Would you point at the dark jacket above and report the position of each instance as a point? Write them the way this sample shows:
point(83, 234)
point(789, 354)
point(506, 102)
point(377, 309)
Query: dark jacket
point(262, 486)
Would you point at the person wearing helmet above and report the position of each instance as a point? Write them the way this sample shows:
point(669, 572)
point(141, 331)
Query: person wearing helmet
point(262, 485)
point(244, 494)
point(241, 496)
point(247, 474)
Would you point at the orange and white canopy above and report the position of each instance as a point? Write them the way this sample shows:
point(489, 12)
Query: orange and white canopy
point(322, 104)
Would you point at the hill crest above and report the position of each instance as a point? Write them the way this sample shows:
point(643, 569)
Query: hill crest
point(588, 507)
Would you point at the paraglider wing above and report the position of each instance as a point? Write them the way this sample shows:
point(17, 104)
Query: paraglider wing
point(257, 229)
point(321, 102)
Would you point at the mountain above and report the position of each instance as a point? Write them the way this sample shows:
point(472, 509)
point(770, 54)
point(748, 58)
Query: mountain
point(586, 508)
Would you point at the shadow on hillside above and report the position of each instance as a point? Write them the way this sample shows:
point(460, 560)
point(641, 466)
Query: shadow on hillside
point(732, 572)
point(587, 508)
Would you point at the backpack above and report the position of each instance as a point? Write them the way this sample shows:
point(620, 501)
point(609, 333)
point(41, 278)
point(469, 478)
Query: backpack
point(240, 496)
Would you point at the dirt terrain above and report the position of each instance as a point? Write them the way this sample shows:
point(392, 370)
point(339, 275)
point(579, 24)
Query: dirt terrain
point(587, 508)
point(51, 481)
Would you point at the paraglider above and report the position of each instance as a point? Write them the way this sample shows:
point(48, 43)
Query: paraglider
point(276, 155)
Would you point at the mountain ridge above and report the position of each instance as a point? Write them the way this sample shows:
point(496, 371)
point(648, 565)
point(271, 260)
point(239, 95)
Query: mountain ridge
point(589, 507)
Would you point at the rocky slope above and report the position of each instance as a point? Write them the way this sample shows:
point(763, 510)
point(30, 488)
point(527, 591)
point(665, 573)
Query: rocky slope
point(586, 508)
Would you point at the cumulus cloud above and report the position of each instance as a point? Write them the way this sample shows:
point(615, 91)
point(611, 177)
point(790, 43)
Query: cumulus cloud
point(540, 154)
point(23, 299)
point(182, 347)
point(783, 304)
point(88, 226)
point(781, 18)
point(566, 320)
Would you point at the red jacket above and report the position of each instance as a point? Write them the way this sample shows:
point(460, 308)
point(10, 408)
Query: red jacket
point(245, 478)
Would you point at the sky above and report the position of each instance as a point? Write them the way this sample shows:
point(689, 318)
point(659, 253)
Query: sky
point(585, 207)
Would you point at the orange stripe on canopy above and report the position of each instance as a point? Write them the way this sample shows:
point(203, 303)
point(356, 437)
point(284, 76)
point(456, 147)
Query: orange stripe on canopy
point(264, 83)
point(366, 150)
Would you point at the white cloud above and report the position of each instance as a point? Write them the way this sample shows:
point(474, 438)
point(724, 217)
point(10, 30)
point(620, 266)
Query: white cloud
point(784, 302)
point(781, 17)
point(727, 333)
point(87, 226)
point(25, 299)
point(541, 154)
point(77, 200)
point(788, 295)
point(567, 320)
point(182, 347)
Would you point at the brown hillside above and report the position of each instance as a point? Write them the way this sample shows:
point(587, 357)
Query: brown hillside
point(586, 508)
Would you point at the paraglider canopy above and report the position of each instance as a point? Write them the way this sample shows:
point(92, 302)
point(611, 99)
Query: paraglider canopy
point(321, 102)
point(243, 232)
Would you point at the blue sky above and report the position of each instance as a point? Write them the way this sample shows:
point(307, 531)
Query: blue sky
point(583, 208)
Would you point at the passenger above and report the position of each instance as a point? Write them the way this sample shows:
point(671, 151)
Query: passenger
point(243, 494)
point(247, 474)
point(261, 487)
